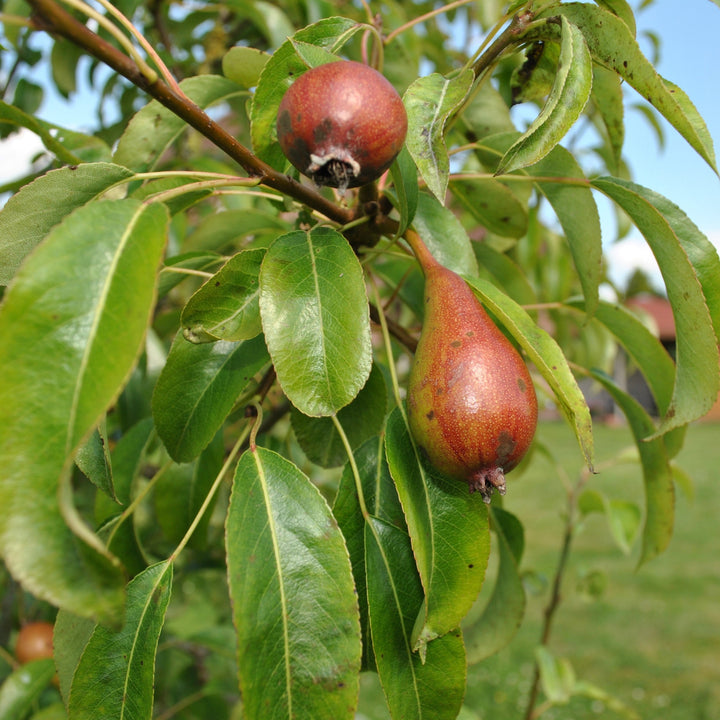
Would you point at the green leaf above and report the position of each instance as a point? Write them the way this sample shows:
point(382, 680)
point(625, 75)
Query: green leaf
point(612, 44)
point(21, 689)
point(444, 235)
point(226, 306)
point(47, 201)
point(416, 686)
point(115, 675)
point(556, 676)
point(219, 231)
point(430, 101)
point(505, 609)
point(315, 316)
point(547, 357)
point(405, 184)
point(45, 131)
point(243, 65)
point(574, 206)
point(93, 460)
point(657, 475)
point(623, 517)
point(279, 73)
point(449, 530)
point(697, 378)
point(154, 128)
point(360, 420)
point(65, 304)
point(493, 205)
point(181, 491)
point(505, 272)
point(70, 637)
point(170, 277)
point(567, 100)
point(381, 501)
point(608, 100)
point(198, 388)
point(294, 603)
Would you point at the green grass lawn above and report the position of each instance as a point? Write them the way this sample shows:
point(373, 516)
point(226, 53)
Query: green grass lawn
point(652, 638)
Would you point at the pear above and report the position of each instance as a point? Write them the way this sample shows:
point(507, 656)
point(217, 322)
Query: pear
point(471, 403)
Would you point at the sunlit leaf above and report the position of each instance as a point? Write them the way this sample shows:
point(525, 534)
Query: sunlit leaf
point(73, 325)
point(449, 531)
point(494, 205)
point(612, 44)
point(115, 675)
point(294, 603)
point(48, 200)
point(430, 101)
point(243, 65)
point(315, 316)
point(416, 686)
point(226, 306)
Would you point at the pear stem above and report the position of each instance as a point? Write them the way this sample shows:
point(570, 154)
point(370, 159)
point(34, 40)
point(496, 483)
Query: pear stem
point(421, 252)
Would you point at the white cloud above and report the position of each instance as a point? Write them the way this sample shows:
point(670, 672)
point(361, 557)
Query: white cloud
point(17, 153)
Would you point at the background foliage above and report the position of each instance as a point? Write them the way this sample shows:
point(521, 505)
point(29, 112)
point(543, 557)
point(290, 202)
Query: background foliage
point(208, 482)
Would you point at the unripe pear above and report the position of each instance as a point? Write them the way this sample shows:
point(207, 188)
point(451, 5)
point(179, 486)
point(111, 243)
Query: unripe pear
point(472, 408)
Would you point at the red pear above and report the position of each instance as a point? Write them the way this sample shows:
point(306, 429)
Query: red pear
point(471, 403)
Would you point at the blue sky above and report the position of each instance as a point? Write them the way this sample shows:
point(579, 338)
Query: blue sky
point(690, 57)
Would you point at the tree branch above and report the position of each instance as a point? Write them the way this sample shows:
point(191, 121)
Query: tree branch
point(49, 16)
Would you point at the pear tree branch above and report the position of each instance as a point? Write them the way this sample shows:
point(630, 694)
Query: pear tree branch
point(50, 17)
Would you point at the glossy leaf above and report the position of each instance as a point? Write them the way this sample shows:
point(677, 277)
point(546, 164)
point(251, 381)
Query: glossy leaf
point(315, 316)
point(449, 530)
point(198, 388)
point(279, 73)
point(64, 305)
point(547, 357)
point(48, 200)
point(565, 103)
point(171, 274)
point(154, 128)
point(416, 686)
point(444, 235)
point(115, 675)
point(697, 379)
point(657, 475)
point(294, 603)
point(430, 102)
point(22, 688)
point(612, 44)
point(360, 420)
point(505, 608)
point(226, 306)
point(219, 232)
point(493, 205)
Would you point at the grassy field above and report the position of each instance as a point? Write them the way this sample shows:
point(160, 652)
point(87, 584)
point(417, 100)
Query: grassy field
point(652, 639)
